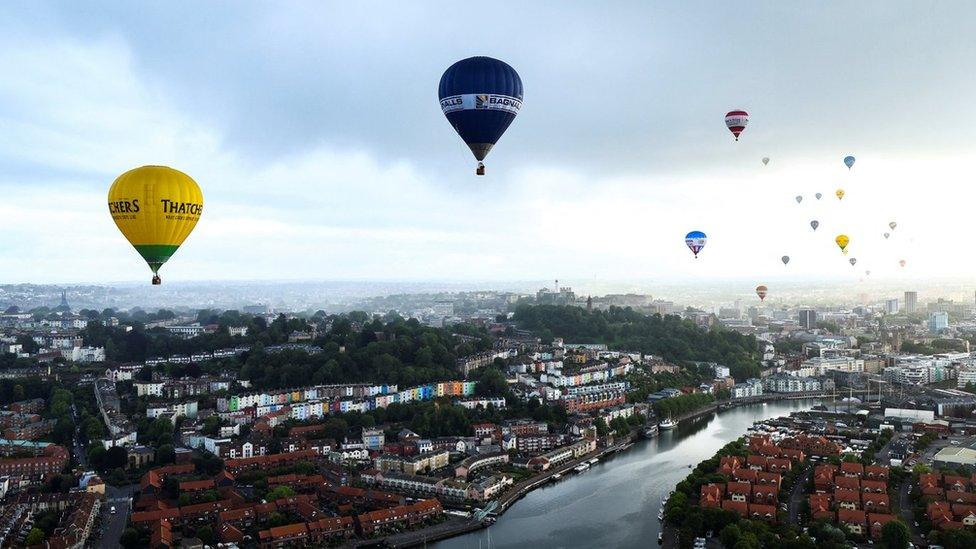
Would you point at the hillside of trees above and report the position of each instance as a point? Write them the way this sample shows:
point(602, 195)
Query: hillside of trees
point(675, 340)
point(388, 350)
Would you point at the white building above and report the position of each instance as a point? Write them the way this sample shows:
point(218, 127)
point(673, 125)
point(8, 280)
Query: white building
point(149, 388)
point(748, 388)
point(820, 366)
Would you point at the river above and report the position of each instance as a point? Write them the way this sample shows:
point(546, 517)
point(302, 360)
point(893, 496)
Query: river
point(615, 503)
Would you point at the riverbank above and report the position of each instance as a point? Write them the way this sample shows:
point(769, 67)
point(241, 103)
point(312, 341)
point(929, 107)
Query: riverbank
point(748, 401)
point(615, 503)
point(458, 527)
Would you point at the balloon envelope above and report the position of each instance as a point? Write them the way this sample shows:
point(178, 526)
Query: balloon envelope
point(892, 225)
point(819, 196)
point(736, 122)
point(815, 224)
point(765, 160)
point(785, 259)
point(849, 161)
point(853, 261)
point(840, 194)
point(902, 262)
point(867, 273)
point(799, 199)
point(695, 240)
point(480, 97)
point(886, 235)
point(761, 292)
point(842, 241)
point(155, 208)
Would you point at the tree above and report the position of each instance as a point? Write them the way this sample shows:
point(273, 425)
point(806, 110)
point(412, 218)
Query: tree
point(279, 492)
point(35, 537)
point(130, 538)
point(895, 535)
point(206, 535)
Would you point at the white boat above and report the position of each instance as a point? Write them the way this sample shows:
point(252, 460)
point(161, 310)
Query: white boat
point(668, 424)
point(660, 516)
point(581, 467)
point(557, 476)
point(594, 460)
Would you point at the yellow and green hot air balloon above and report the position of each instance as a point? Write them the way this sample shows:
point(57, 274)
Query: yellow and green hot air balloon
point(156, 208)
point(840, 194)
point(842, 242)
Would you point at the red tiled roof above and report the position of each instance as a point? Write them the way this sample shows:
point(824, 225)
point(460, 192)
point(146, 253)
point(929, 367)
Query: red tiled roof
point(195, 485)
point(851, 516)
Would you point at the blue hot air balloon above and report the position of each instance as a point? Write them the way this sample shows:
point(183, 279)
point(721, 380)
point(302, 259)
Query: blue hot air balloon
point(696, 241)
point(480, 97)
point(849, 161)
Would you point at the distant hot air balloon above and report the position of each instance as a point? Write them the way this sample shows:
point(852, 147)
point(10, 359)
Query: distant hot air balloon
point(886, 235)
point(819, 196)
point(901, 262)
point(155, 208)
point(695, 240)
point(765, 160)
point(736, 122)
point(786, 259)
point(842, 241)
point(892, 225)
point(867, 273)
point(849, 161)
point(853, 261)
point(480, 97)
point(799, 199)
point(815, 224)
point(761, 292)
point(840, 194)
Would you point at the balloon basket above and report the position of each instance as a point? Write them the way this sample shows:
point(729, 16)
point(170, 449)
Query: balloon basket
point(156, 280)
point(481, 169)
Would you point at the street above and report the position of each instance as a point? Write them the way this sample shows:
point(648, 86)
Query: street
point(114, 525)
point(796, 495)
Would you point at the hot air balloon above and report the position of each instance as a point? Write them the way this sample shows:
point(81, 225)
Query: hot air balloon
point(695, 241)
point(840, 194)
point(480, 97)
point(765, 160)
point(815, 224)
point(155, 208)
point(867, 273)
point(785, 259)
point(892, 225)
point(799, 199)
point(736, 121)
point(761, 292)
point(901, 262)
point(849, 161)
point(853, 261)
point(819, 196)
point(842, 242)
point(886, 235)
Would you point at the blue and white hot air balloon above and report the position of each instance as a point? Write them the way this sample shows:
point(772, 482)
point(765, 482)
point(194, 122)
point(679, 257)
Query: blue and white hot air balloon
point(696, 241)
point(849, 161)
point(480, 97)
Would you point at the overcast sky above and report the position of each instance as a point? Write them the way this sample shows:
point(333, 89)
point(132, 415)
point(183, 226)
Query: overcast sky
point(315, 133)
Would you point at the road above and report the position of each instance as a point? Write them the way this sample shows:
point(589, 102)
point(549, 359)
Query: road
point(114, 525)
point(77, 447)
point(796, 495)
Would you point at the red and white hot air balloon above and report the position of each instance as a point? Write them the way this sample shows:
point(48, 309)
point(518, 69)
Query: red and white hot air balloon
point(736, 121)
